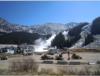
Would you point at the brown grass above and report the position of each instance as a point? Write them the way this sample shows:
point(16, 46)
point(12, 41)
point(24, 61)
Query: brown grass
point(23, 65)
point(46, 72)
point(85, 50)
point(84, 71)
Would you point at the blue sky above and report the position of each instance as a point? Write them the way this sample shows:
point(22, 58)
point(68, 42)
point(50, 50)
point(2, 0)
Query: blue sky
point(39, 12)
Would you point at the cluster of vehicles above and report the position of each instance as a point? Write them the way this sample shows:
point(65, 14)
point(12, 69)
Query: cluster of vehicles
point(59, 56)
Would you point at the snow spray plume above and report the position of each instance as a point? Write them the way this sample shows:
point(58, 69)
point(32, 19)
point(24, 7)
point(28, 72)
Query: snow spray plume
point(41, 45)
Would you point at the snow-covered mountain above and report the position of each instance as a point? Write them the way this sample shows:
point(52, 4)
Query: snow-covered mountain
point(84, 35)
point(8, 27)
point(76, 35)
point(85, 31)
point(47, 28)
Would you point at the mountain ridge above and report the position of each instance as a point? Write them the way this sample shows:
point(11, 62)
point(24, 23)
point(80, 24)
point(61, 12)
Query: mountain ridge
point(47, 28)
point(82, 34)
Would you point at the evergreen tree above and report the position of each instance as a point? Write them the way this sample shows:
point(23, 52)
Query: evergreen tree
point(88, 39)
point(95, 28)
point(59, 41)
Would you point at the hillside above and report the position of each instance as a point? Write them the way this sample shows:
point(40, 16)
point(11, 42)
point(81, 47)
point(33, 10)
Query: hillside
point(69, 35)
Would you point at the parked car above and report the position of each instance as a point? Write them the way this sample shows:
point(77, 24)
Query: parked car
point(46, 57)
point(3, 57)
